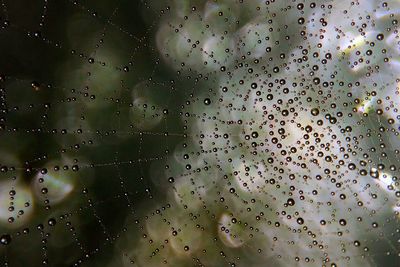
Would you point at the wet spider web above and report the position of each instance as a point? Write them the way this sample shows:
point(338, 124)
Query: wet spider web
point(199, 133)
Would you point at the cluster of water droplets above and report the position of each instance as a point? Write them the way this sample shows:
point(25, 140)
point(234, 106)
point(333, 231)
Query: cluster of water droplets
point(285, 115)
point(292, 150)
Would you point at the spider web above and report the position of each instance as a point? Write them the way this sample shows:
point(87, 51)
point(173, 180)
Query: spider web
point(199, 133)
